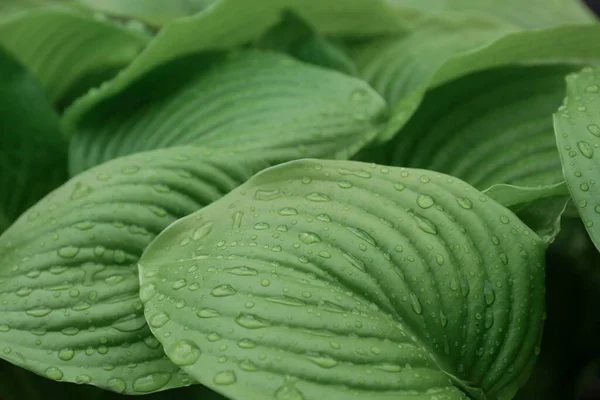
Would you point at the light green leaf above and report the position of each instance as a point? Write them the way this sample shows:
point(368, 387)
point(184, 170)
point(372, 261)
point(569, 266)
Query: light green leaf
point(446, 47)
point(28, 124)
point(68, 267)
point(251, 100)
point(529, 14)
point(223, 26)
point(343, 280)
point(63, 47)
point(17, 384)
point(577, 127)
point(540, 207)
point(156, 12)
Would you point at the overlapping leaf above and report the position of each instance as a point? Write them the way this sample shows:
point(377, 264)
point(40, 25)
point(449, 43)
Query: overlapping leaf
point(342, 280)
point(69, 51)
point(577, 127)
point(251, 100)
point(448, 46)
point(33, 154)
point(68, 267)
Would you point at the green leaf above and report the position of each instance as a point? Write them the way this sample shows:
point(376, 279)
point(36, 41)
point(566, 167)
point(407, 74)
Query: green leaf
point(223, 26)
point(577, 127)
point(294, 36)
point(530, 14)
point(156, 12)
point(18, 384)
point(62, 47)
point(68, 267)
point(506, 108)
point(251, 100)
point(446, 47)
point(540, 207)
point(28, 125)
point(343, 280)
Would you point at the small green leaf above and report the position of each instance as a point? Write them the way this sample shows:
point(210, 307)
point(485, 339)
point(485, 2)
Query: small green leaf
point(28, 125)
point(404, 67)
point(577, 127)
point(156, 12)
point(63, 47)
point(68, 267)
point(252, 100)
point(343, 280)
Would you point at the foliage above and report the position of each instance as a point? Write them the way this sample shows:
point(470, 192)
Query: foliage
point(298, 199)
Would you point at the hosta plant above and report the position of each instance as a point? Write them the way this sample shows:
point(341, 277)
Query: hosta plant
point(298, 199)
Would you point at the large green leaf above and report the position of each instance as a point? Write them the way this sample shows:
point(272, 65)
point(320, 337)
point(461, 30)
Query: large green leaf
point(223, 26)
point(448, 46)
point(343, 280)
point(156, 12)
point(68, 267)
point(69, 51)
point(251, 100)
point(577, 127)
point(529, 14)
point(17, 384)
point(33, 155)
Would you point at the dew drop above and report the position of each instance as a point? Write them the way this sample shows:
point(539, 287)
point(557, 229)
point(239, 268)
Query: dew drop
point(225, 378)
point(318, 197)
point(594, 130)
point(425, 201)
point(464, 203)
point(183, 352)
point(288, 392)
point(415, 303)
point(323, 361)
point(355, 262)
point(223, 291)
point(237, 218)
point(242, 271)
point(159, 320)
point(261, 226)
point(426, 225)
point(288, 211)
point(267, 195)
point(585, 149)
point(116, 385)
point(361, 234)
point(66, 354)
point(202, 231)
point(68, 252)
point(489, 294)
point(250, 321)
point(151, 382)
point(54, 373)
point(38, 311)
point(147, 292)
point(309, 237)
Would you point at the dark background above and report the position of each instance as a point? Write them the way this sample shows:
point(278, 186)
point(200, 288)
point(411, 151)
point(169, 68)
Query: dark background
point(594, 5)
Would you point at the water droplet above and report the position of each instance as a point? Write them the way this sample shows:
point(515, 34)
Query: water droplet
point(151, 382)
point(250, 321)
point(223, 291)
point(361, 173)
point(117, 385)
point(439, 259)
point(504, 258)
point(324, 218)
point(129, 323)
point(247, 365)
point(38, 311)
point(267, 195)
point(585, 149)
point(261, 226)
point(465, 289)
point(147, 292)
point(415, 303)
point(309, 238)
point(246, 344)
point(464, 203)
point(355, 261)
point(504, 219)
point(318, 197)
point(425, 201)
point(443, 319)
point(203, 231)
point(593, 89)
point(242, 271)
point(183, 352)
point(66, 354)
point(489, 294)
point(399, 187)
point(594, 129)
point(68, 252)
point(225, 378)
point(363, 235)
point(4, 328)
point(54, 373)
point(329, 306)
point(584, 187)
point(426, 225)
point(237, 218)
point(287, 300)
point(287, 211)
point(345, 184)
point(323, 361)
point(24, 291)
point(359, 95)
point(159, 320)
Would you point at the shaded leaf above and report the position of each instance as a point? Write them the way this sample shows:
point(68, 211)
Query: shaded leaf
point(343, 280)
point(577, 127)
point(62, 47)
point(33, 154)
point(251, 100)
point(68, 267)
